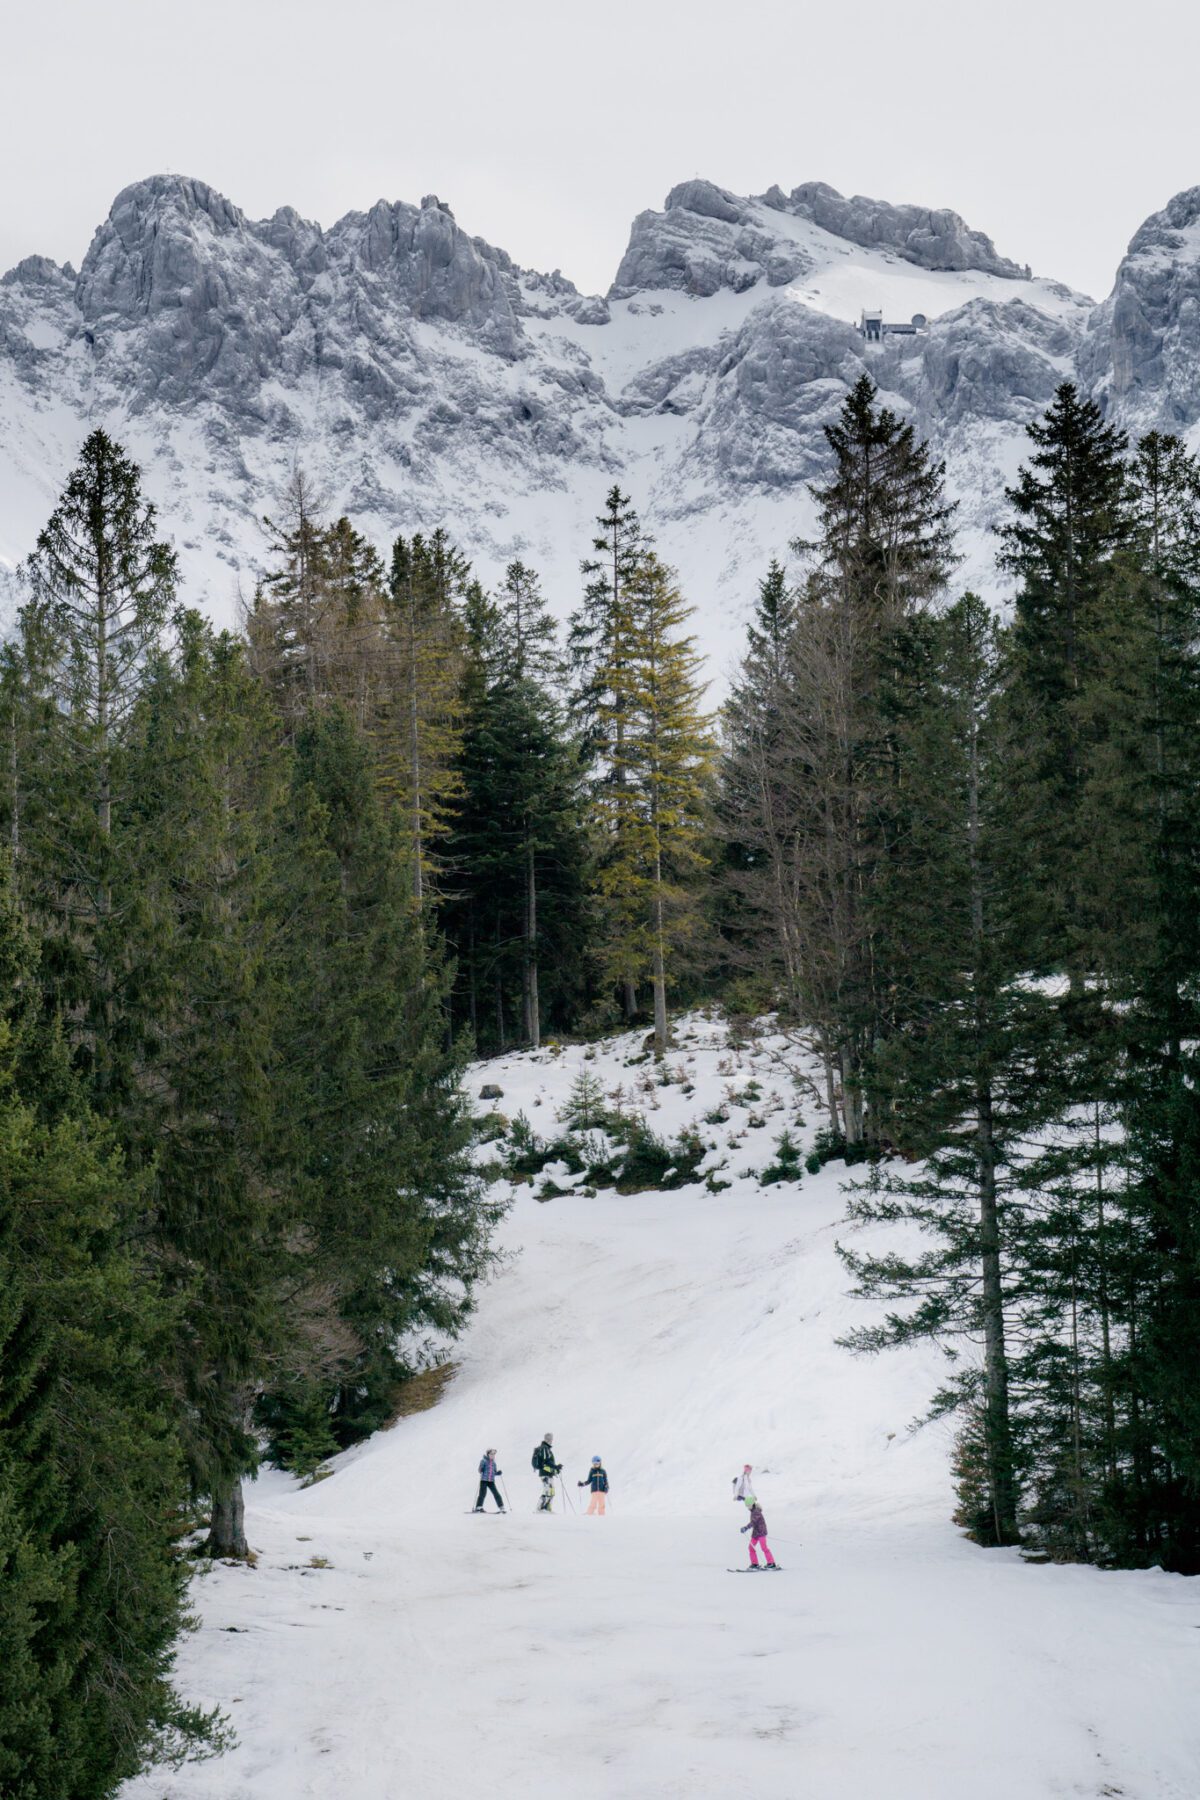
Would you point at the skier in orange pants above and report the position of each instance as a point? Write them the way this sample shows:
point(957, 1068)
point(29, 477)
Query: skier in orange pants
point(597, 1480)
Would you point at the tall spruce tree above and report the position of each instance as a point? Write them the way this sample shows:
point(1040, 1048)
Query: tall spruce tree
point(968, 1076)
point(823, 788)
point(101, 584)
point(371, 1119)
point(516, 906)
point(1070, 518)
point(213, 781)
point(92, 1587)
point(598, 648)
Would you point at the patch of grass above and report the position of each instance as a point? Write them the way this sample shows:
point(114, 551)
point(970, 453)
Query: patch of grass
point(422, 1391)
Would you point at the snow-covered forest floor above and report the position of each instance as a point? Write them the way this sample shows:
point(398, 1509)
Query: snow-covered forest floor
point(390, 1646)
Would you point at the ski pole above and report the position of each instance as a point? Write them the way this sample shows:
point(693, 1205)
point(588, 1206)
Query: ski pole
point(562, 1488)
point(507, 1501)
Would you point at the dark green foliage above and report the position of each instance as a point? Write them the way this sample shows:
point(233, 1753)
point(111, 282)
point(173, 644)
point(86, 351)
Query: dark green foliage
point(91, 1476)
point(516, 910)
point(619, 1150)
point(788, 1165)
point(1047, 939)
point(233, 1153)
point(379, 1135)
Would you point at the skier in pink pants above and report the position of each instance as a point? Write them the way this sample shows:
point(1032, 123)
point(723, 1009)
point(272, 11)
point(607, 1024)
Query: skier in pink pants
point(758, 1534)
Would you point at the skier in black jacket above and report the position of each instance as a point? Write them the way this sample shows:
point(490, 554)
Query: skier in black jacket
point(546, 1466)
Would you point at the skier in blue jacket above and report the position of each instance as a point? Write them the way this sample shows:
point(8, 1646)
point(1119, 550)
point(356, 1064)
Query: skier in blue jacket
point(487, 1481)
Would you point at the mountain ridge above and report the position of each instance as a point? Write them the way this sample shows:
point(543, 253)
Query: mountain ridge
point(422, 376)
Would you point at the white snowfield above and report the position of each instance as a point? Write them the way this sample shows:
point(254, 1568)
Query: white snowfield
point(677, 1335)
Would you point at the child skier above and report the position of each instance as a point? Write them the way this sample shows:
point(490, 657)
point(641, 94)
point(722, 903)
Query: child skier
point(758, 1533)
point(487, 1481)
point(597, 1480)
point(547, 1468)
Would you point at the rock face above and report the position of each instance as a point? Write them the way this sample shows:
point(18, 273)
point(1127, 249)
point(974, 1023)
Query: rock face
point(934, 240)
point(1144, 349)
point(422, 377)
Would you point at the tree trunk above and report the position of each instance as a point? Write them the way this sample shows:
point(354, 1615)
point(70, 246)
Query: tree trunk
point(227, 1531)
point(831, 1099)
point(659, 969)
point(499, 978)
point(1108, 1383)
point(852, 1107)
point(997, 1423)
point(533, 1020)
point(997, 1417)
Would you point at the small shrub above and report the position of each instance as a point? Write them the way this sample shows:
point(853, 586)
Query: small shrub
point(584, 1109)
point(788, 1164)
point(827, 1145)
point(489, 1127)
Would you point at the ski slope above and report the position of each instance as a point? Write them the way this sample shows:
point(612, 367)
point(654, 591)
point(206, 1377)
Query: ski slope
point(677, 1335)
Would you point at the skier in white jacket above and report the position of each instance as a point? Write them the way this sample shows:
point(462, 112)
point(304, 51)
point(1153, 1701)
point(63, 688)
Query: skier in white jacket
point(743, 1484)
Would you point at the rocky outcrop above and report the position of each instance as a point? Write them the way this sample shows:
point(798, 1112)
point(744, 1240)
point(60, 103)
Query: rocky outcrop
point(1142, 354)
point(703, 240)
point(933, 239)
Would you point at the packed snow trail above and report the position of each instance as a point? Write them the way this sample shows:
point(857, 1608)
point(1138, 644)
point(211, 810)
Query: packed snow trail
point(675, 1335)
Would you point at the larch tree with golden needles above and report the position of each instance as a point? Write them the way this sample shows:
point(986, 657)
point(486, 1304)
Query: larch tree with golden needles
point(651, 801)
point(427, 585)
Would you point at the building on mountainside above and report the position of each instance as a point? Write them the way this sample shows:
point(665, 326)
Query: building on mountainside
point(874, 327)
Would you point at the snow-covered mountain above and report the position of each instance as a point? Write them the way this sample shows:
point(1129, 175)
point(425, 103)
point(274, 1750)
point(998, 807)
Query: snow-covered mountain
point(421, 376)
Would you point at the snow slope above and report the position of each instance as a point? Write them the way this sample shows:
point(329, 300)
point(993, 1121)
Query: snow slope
point(678, 1335)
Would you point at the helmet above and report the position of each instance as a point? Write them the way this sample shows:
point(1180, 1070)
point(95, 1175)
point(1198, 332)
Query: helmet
point(547, 1437)
point(595, 1459)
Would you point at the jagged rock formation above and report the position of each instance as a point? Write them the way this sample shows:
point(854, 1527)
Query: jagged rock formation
point(421, 376)
point(1144, 351)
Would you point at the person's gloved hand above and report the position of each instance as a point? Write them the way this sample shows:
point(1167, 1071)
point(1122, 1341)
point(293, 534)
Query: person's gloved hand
point(745, 1528)
point(581, 1484)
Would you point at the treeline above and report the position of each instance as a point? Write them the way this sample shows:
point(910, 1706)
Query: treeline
point(235, 1186)
point(557, 799)
point(965, 855)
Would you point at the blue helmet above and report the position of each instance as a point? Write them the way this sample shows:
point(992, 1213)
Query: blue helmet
point(595, 1459)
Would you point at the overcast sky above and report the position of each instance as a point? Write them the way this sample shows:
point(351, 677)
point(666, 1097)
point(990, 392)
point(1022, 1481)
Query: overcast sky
point(1052, 125)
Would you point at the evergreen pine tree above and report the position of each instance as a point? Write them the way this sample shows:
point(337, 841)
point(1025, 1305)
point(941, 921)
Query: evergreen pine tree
point(1070, 519)
point(515, 911)
point(969, 1075)
point(598, 649)
point(91, 1479)
point(102, 584)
